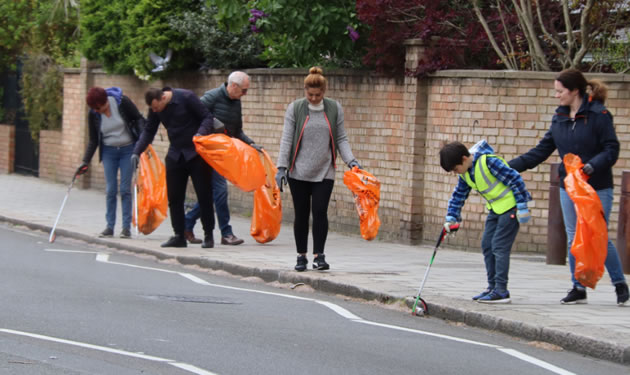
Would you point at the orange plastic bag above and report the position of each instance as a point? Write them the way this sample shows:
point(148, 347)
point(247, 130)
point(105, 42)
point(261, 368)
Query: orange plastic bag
point(367, 193)
point(267, 216)
point(152, 198)
point(590, 244)
point(233, 159)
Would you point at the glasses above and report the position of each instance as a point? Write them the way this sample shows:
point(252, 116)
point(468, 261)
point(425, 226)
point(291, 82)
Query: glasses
point(244, 91)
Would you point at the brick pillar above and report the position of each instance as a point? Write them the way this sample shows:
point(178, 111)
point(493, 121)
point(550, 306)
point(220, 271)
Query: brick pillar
point(415, 129)
point(77, 82)
point(7, 148)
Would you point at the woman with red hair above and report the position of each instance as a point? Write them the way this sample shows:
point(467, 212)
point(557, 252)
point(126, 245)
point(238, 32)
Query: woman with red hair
point(114, 125)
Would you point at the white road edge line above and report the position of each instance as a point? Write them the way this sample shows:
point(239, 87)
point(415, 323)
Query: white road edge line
point(348, 315)
point(183, 366)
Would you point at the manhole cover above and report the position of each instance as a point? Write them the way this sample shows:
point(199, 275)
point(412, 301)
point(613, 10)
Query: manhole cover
point(193, 299)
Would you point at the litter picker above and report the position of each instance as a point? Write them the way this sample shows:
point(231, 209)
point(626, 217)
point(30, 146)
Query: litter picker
point(52, 237)
point(423, 308)
point(135, 199)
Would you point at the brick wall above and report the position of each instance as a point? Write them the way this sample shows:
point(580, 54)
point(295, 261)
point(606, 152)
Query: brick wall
point(395, 128)
point(49, 148)
point(7, 148)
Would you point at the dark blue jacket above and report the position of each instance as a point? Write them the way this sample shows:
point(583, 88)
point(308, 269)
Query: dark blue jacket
point(591, 136)
point(183, 117)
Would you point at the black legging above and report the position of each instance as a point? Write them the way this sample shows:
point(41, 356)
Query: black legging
point(305, 194)
point(177, 173)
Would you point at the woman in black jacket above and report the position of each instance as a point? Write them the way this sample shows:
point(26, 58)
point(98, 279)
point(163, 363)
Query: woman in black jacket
point(584, 127)
point(114, 126)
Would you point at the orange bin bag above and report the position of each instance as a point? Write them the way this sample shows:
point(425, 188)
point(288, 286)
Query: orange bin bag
point(152, 198)
point(590, 243)
point(367, 193)
point(233, 159)
point(267, 216)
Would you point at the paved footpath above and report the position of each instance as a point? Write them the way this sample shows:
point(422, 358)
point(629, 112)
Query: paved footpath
point(379, 270)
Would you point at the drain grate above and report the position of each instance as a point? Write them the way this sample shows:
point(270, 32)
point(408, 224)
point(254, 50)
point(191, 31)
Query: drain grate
point(192, 299)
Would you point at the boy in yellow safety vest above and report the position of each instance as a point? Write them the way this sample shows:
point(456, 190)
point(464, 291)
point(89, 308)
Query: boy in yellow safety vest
point(506, 198)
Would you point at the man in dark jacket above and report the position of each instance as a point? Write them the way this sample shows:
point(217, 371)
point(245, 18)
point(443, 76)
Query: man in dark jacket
point(225, 103)
point(183, 116)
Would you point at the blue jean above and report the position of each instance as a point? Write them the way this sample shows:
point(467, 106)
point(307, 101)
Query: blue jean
point(498, 236)
point(612, 263)
point(220, 198)
point(115, 158)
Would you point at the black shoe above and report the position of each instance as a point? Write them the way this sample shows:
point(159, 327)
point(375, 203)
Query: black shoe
point(301, 263)
point(575, 296)
point(319, 263)
point(126, 233)
point(108, 232)
point(175, 241)
point(622, 293)
point(231, 239)
point(208, 242)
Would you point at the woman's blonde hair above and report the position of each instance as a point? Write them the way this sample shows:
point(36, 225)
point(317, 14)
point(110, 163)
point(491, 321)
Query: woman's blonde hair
point(315, 79)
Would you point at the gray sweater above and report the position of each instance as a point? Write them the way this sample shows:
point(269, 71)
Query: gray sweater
point(314, 160)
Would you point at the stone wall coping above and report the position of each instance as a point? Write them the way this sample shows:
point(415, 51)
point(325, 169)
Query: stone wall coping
point(453, 73)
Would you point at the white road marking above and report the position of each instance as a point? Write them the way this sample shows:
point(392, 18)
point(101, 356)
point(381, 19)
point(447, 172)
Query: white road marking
point(71, 251)
point(348, 315)
point(183, 366)
point(535, 361)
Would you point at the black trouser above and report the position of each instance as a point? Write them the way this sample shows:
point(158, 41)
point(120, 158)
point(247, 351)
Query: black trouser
point(305, 194)
point(177, 173)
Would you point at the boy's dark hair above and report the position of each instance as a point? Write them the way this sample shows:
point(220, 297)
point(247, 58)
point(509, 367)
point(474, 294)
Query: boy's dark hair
point(451, 155)
point(151, 94)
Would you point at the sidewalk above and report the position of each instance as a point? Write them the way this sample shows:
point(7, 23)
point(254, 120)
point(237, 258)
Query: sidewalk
point(370, 270)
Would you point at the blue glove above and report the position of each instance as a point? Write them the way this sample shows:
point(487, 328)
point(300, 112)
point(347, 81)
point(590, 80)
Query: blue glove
point(281, 177)
point(522, 213)
point(449, 220)
point(354, 163)
point(588, 169)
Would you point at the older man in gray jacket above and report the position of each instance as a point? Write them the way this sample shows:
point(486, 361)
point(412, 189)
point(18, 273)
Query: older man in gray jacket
point(225, 103)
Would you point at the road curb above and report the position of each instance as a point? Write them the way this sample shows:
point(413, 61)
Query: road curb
point(582, 344)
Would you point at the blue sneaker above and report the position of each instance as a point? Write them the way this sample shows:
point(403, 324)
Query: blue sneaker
point(496, 297)
point(482, 294)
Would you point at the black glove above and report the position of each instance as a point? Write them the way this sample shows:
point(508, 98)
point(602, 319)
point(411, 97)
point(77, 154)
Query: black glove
point(83, 168)
point(135, 160)
point(281, 177)
point(588, 169)
point(257, 147)
point(218, 126)
point(354, 163)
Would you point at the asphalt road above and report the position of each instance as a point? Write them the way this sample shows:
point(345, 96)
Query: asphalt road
point(75, 308)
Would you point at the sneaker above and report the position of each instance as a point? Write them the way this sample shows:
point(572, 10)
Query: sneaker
point(622, 293)
point(319, 263)
point(575, 296)
point(496, 297)
point(126, 233)
point(482, 294)
point(108, 232)
point(301, 263)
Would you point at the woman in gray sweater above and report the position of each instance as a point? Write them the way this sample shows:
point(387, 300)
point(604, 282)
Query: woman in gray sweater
point(313, 133)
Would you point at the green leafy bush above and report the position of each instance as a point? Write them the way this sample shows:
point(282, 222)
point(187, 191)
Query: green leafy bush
point(42, 93)
point(218, 47)
point(15, 24)
point(121, 34)
point(300, 33)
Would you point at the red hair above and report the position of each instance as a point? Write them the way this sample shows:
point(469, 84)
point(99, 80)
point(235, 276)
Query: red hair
point(96, 97)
